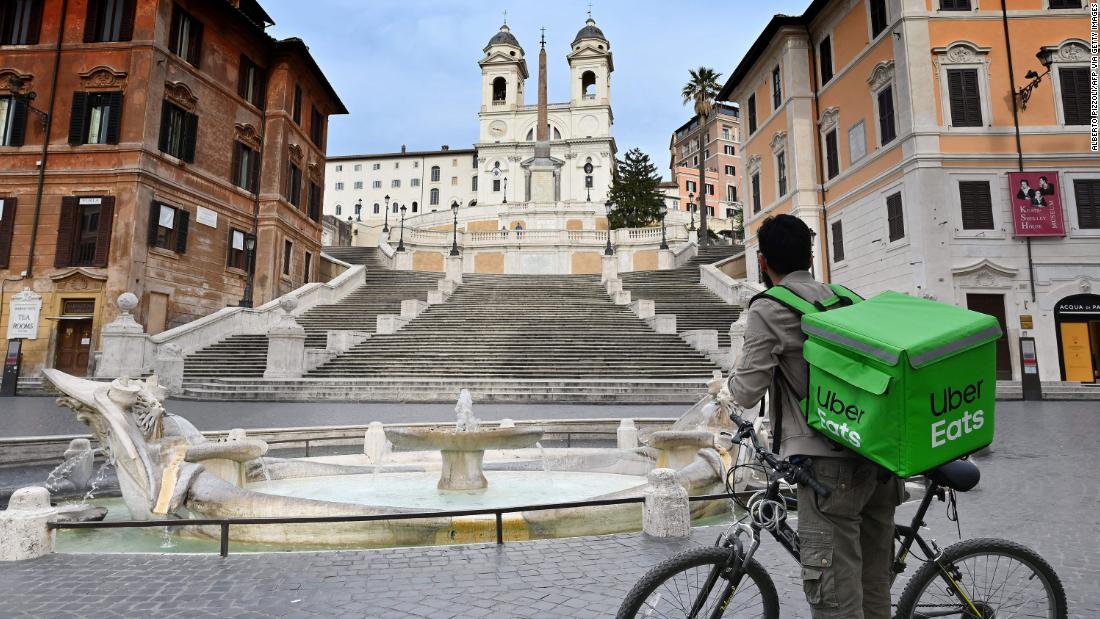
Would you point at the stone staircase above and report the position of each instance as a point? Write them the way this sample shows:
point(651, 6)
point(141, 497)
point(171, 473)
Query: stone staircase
point(678, 291)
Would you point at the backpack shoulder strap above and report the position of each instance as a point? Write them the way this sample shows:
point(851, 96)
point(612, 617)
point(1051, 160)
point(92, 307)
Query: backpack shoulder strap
point(845, 293)
point(787, 298)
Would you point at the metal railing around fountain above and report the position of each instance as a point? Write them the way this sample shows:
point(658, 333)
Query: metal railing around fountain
point(225, 523)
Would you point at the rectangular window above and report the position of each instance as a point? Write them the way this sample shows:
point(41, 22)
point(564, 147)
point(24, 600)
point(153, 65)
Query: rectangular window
point(691, 186)
point(729, 150)
point(414, 182)
point(185, 36)
point(895, 218)
point(955, 5)
point(965, 98)
point(7, 229)
point(246, 167)
point(496, 184)
point(339, 168)
point(168, 227)
point(235, 254)
point(825, 58)
point(710, 189)
point(339, 186)
point(395, 183)
point(1065, 4)
point(307, 267)
point(13, 121)
point(781, 173)
point(317, 127)
point(297, 113)
point(752, 113)
point(251, 82)
point(887, 127)
point(178, 132)
point(376, 185)
point(288, 253)
point(377, 166)
point(396, 165)
point(878, 17)
point(1086, 193)
point(838, 241)
point(731, 170)
point(109, 20)
point(435, 174)
point(832, 155)
point(454, 180)
point(20, 21)
point(95, 118)
point(777, 88)
point(473, 183)
point(314, 202)
point(725, 133)
point(756, 193)
point(358, 167)
point(358, 185)
point(731, 193)
point(84, 231)
point(1074, 82)
point(294, 185)
point(977, 205)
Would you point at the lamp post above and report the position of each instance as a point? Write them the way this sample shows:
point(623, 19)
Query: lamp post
point(250, 268)
point(386, 223)
point(608, 206)
point(506, 190)
point(691, 209)
point(454, 241)
point(661, 213)
point(1046, 58)
point(358, 210)
point(401, 241)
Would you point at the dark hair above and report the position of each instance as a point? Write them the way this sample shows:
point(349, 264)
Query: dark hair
point(1043, 178)
point(786, 242)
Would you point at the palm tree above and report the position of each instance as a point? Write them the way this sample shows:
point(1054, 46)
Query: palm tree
point(701, 90)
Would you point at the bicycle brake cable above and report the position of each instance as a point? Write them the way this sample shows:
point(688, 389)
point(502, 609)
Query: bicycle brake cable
point(953, 510)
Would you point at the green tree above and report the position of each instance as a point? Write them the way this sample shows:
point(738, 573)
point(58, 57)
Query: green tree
point(635, 191)
point(701, 90)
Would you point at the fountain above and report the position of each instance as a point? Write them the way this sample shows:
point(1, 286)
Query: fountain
point(463, 448)
point(167, 469)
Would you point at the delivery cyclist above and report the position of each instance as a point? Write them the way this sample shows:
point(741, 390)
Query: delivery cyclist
point(846, 538)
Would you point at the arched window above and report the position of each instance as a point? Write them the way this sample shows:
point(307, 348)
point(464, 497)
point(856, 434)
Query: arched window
point(376, 209)
point(588, 85)
point(550, 129)
point(414, 207)
point(337, 209)
point(557, 134)
point(395, 207)
point(500, 90)
point(435, 174)
point(434, 197)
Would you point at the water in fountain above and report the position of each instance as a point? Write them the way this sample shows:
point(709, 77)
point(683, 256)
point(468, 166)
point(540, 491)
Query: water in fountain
point(545, 464)
point(464, 411)
point(263, 469)
point(167, 541)
point(100, 476)
point(61, 473)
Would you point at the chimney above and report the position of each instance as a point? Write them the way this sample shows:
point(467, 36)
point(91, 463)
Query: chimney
point(445, 147)
point(402, 149)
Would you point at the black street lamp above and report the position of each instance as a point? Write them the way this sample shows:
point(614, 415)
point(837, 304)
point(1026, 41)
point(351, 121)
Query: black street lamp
point(250, 268)
point(691, 209)
point(1046, 58)
point(506, 190)
point(386, 224)
point(608, 206)
point(401, 241)
point(661, 213)
point(358, 210)
point(454, 241)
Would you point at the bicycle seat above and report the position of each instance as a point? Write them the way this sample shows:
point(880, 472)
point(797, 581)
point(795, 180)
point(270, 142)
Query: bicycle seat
point(960, 475)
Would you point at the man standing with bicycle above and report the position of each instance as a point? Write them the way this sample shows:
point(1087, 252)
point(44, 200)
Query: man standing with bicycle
point(846, 538)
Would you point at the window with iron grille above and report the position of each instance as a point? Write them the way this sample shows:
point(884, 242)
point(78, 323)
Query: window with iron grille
point(895, 218)
point(977, 205)
point(1086, 193)
point(964, 97)
point(838, 241)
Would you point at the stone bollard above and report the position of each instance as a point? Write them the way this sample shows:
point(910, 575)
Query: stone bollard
point(339, 341)
point(703, 340)
point(80, 449)
point(435, 297)
point(621, 297)
point(122, 350)
point(664, 259)
point(453, 269)
point(666, 513)
point(644, 308)
point(613, 286)
point(627, 435)
point(286, 344)
point(446, 286)
point(411, 308)
point(610, 268)
point(664, 324)
point(389, 323)
point(402, 261)
point(168, 366)
point(24, 533)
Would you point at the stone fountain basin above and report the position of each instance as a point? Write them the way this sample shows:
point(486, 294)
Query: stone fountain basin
point(448, 439)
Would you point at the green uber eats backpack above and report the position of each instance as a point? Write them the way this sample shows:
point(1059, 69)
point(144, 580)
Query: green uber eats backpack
point(905, 382)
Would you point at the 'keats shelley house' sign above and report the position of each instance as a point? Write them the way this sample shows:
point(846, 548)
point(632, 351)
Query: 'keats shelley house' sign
point(1036, 203)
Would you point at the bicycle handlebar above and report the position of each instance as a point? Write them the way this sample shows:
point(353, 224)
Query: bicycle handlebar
point(785, 468)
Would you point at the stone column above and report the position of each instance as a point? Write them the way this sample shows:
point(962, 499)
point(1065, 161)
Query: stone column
point(644, 308)
point(122, 352)
point(403, 260)
point(664, 259)
point(666, 513)
point(168, 366)
point(453, 269)
point(24, 533)
point(610, 268)
point(627, 435)
point(286, 344)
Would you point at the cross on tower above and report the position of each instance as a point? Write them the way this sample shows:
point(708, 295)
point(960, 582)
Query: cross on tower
point(542, 40)
point(505, 17)
point(589, 10)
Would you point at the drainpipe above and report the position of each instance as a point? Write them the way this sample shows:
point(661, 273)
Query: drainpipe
point(250, 275)
point(46, 139)
point(825, 274)
point(1019, 144)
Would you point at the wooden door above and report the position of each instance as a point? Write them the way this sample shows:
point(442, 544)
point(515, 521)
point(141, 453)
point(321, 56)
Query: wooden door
point(1077, 352)
point(74, 346)
point(994, 305)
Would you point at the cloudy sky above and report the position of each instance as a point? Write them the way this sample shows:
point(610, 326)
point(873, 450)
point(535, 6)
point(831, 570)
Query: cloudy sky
point(407, 69)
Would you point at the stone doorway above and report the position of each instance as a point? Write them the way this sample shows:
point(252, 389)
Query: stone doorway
point(74, 346)
point(994, 305)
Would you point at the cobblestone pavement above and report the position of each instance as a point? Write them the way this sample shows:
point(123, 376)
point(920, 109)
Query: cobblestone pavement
point(1039, 487)
point(40, 416)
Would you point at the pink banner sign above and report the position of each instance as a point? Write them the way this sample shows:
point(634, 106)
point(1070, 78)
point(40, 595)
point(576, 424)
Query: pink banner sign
point(1036, 201)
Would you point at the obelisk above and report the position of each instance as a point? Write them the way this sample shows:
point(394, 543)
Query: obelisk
point(542, 167)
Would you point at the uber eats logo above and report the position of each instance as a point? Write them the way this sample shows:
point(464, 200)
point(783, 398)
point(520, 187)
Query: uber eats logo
point(829, 402)
point(942, 403)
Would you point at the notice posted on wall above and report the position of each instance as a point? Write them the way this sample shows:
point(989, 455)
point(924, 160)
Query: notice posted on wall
point(1094, 75)
point(1036, 203)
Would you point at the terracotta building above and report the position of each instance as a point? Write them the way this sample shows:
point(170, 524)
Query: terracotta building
point(180, 132)
point(913, 138)
point(720, 142)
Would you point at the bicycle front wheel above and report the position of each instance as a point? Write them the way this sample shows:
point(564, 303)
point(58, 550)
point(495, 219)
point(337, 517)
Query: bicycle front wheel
point(984, 578)
point(673, 587)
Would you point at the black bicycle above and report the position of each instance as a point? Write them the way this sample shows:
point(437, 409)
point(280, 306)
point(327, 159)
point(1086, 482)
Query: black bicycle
point(977, 578)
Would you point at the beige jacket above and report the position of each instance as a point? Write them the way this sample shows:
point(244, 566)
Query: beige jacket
point(773, 337)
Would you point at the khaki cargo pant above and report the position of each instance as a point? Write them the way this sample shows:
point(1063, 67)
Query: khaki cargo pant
point(847, 538)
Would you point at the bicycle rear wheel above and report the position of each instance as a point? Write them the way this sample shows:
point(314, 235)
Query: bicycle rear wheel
point(671, 588)
point(998, 578)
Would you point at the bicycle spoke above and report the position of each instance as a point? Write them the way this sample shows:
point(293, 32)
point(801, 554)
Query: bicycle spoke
point(994, 584)
point(676, 596)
